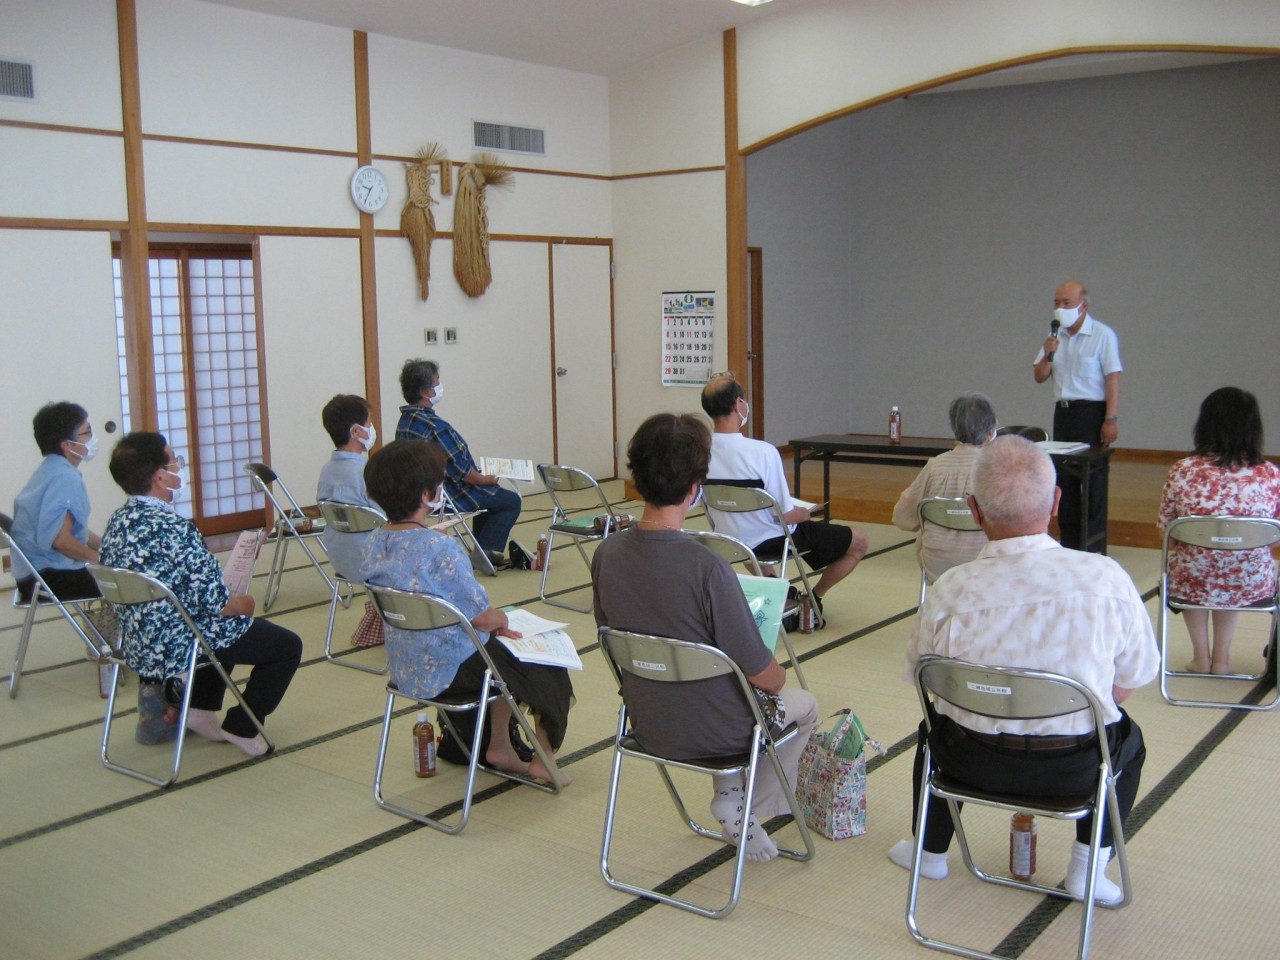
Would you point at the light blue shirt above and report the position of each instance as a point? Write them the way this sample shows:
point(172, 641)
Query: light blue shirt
point(54, 490)
point(342, 479)
point(1083, 361)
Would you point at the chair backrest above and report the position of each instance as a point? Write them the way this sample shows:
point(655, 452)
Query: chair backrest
point(126, 587)
point(733, 498)
point(950, 512)
point(1224, 532)
point(672, 661)
point(40, 593)
point(350, 517)
point(1004, 693)
point(408, 610)
point(1034, 434)
point(731, 548)
point(560, 479)
point(265, 479)
point(6, 524)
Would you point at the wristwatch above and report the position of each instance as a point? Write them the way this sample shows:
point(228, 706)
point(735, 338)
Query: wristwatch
point(1113, 419)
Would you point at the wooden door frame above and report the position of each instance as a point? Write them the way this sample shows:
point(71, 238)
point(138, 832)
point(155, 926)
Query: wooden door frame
point(755, 347)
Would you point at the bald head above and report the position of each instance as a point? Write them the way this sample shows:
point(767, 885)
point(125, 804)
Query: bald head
point(1014, 485)
point(719, 397)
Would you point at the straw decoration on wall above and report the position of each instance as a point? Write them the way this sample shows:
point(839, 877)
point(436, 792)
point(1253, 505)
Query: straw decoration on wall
point(417, 222)
point(471, 222)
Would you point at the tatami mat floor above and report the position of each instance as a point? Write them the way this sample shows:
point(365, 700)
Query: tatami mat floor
point(287, 856)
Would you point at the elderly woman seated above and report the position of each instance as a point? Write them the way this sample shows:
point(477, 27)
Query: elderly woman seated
point(1225, 475)
point(147, 535)
point(405, 478)
point(653, 578)
point(973, 422)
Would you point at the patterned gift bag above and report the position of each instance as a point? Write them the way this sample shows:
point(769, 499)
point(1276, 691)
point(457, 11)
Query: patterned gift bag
point(369, 630)
point(832, 780)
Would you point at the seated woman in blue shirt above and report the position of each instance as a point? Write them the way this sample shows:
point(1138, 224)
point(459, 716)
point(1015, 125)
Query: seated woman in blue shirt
point(405, 478)
point(51, 514)
point(346, 419)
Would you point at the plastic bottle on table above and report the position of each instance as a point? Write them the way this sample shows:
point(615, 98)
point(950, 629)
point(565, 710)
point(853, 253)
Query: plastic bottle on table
point(895, 425)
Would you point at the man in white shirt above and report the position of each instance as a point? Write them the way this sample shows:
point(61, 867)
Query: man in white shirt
point(830, 547)
point(1027, 602)
point(1083, 361)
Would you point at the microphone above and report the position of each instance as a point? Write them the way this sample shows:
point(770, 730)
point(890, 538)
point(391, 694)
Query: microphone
point(1054, 324)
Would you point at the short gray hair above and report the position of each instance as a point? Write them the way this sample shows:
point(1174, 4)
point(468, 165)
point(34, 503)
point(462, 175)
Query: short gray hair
point(1013, 481)
point(416, 378)
point(972, 418)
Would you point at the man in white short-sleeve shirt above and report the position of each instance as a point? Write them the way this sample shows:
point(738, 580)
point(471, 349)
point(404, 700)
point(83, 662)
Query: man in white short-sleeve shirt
point(1027, 602)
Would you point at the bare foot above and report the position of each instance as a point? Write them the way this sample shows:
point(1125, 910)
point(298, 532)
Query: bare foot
point(1221, 669)
point(536, 769)
point(206, 723)
point(1196, 666)
point(507, 760)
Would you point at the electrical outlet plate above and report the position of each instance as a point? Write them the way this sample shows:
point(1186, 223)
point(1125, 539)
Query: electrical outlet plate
point(450, 334)
point(430, 336)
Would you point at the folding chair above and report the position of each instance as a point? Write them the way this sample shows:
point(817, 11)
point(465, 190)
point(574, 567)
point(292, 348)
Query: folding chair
point(1010, 693)
point(41, 596)
point(561, 480)
point(1034, 434)
point(1225, 533)
point(406, 610)
point(291, 524)
point(128, 587)
point(678, 661)
point(346, 519)
point(731, 498)
point(953, 513)
point(457, 522)
point(735, 551)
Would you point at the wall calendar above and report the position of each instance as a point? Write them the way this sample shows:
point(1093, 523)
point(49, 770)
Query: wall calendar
point(688, 337)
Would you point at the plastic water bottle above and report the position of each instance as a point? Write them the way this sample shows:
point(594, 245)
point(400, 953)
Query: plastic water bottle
point(424, 746)
point(1022, 846)
point(895, 426)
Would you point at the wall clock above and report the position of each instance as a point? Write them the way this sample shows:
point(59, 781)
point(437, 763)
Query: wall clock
point(369, 189)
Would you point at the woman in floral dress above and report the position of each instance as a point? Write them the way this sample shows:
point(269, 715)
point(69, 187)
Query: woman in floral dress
point(1226, 475)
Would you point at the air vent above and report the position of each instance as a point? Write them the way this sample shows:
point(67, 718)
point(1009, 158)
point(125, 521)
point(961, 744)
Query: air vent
point(502, 136)
point(17, 80)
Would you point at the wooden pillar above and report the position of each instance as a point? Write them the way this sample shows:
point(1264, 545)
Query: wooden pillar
point(368, 272)
point(735, 185)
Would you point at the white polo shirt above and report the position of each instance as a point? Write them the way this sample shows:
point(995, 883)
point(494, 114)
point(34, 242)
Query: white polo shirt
point(1083, 361)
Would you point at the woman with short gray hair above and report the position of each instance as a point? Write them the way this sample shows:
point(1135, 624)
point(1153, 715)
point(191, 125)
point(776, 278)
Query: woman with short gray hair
point(973, 422)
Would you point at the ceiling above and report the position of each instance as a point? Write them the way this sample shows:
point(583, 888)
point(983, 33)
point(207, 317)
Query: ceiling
point(605, 37)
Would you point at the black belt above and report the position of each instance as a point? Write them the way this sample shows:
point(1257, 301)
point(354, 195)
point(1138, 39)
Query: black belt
point(1020, 741)
point(1079, 403)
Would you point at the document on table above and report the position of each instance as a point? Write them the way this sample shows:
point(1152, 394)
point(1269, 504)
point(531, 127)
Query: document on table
point(238, 571)
point(506, 467)
point(541, 641)
point(1062, 446)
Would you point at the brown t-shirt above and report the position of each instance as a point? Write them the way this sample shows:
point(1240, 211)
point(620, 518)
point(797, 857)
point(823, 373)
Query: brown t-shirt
point(661, 582)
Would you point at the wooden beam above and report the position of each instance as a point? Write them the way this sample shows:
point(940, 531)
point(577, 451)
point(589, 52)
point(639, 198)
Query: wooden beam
point(735, 186)
point(368, 267)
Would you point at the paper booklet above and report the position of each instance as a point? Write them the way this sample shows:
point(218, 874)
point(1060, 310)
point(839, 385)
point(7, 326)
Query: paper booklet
point(541, 641)
point(766, 596)
point(506, 467)
point(1062, 446)
point(238, 570)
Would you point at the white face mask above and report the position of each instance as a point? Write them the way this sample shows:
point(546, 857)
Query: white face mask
point(697, 498)
point(745, 416)
point(1067, 316)
point(371, 439)
point(436, 394)
point(90, 448)
point(434, 505)
point(184, 480)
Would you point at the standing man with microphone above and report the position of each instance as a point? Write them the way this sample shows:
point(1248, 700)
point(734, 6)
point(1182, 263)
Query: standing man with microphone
point(1082, 356)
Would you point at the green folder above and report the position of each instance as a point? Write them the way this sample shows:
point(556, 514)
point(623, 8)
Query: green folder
point(766, 596)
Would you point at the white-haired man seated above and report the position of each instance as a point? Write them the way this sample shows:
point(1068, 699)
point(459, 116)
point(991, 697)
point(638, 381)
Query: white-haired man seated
point(1025, 601)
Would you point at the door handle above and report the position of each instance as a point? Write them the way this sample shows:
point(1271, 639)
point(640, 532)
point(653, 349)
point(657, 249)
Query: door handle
point(561, 371)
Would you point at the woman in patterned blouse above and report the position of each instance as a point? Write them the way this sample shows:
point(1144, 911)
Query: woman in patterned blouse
point(1226, 475)
point(148, 535)
point(405, 478)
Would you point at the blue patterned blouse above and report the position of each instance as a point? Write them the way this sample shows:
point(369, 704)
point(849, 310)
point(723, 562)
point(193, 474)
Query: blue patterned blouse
point(423, 662)
point(147, 536)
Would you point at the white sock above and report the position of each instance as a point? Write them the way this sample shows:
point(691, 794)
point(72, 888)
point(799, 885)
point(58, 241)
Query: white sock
point(933, 866)
point(728, 807)
point(253, 746)
point(1104, 891)
point(207, 723)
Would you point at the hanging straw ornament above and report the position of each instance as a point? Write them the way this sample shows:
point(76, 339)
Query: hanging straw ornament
point(417, 222)
point(471, 222)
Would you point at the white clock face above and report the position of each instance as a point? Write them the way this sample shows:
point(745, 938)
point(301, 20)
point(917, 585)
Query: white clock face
point(369, 189)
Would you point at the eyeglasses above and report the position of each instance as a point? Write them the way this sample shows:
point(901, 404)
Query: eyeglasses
point(179, 462)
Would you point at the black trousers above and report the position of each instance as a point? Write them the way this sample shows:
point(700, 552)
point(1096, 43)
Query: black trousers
point(1032, 773)
point(66, 585)
point(1081, 422)
point(274, 653)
